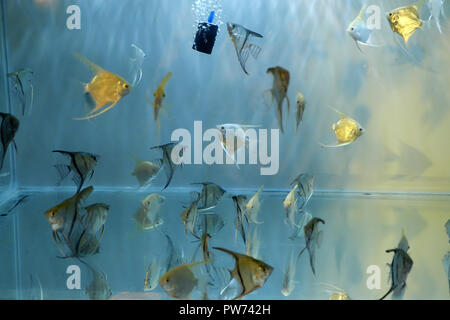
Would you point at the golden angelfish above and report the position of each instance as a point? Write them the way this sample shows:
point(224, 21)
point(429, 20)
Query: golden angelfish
point(104, 90)
point(159, 96)
point(405, 20)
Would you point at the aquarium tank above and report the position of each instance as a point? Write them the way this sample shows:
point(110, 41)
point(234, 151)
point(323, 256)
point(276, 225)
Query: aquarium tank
point(224, 149)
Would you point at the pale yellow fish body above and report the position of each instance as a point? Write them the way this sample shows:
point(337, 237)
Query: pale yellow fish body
point(180, 281)
point(405, 20)
point(290, 198)
point(253, 205)
point(339, 296)
point(146, 217)
point(105, 88)
point(347, 130)
point(159, 96)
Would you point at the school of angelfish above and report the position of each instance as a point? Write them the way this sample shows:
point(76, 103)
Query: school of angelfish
point(77, 228)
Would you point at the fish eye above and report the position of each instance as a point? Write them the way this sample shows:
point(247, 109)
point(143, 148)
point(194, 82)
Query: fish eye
point(126, 86)
point(352, 28)
point(390, 14)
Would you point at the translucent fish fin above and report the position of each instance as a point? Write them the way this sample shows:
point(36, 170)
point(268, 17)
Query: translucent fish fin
point(136, 65)
point(334, 146)
point(342, 115)
point(95, 68)
point(320, 239)
point(254, 50)
point(63, 171)
point(300, 253)
point(232, 157)
point(268, 98)
point(98, 113)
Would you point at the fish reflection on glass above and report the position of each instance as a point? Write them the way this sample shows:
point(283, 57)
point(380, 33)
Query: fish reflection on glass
point(8, 130)
point(239, 202)
point(95, 218)
point(189, 217)
point(159, 95)
point(174, 256)
point(104, 90)
point(313, 239)
point(11, 204)
point(22, 80)
point(436, 8)
point(210, 223)
point(253, 243)
point(158, 266)
point(209, 196)
point(301, 104)
point(399, 269)
point(298, 222)
point(36, 290)
point(63, 216)
point(288, 279)
point(241, 37)
point(253, 205)
point(81, 165)
point(98, 288)
point(305, 183)
point(346, 129)
point(147, 217)
point(249, 272)
point(146, 171)
point(167, 161)
point(405, 20)
point(180, 281)
point(281, 78)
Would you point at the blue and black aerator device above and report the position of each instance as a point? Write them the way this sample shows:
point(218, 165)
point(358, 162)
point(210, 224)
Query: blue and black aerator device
point(206, 35)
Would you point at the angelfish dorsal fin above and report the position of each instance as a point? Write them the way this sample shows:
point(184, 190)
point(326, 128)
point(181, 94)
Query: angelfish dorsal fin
point(342, 115)
point(95, 68)
point(362, 12)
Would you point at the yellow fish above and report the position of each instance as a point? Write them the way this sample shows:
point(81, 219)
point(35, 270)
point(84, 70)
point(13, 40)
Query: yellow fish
point(180, 281)
point(253, 205)
point(251, 273)
point(405, 20)
point(336, 293)
point(289, 201)
point(159, 96)
point(105, 89)
point(346, 129)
